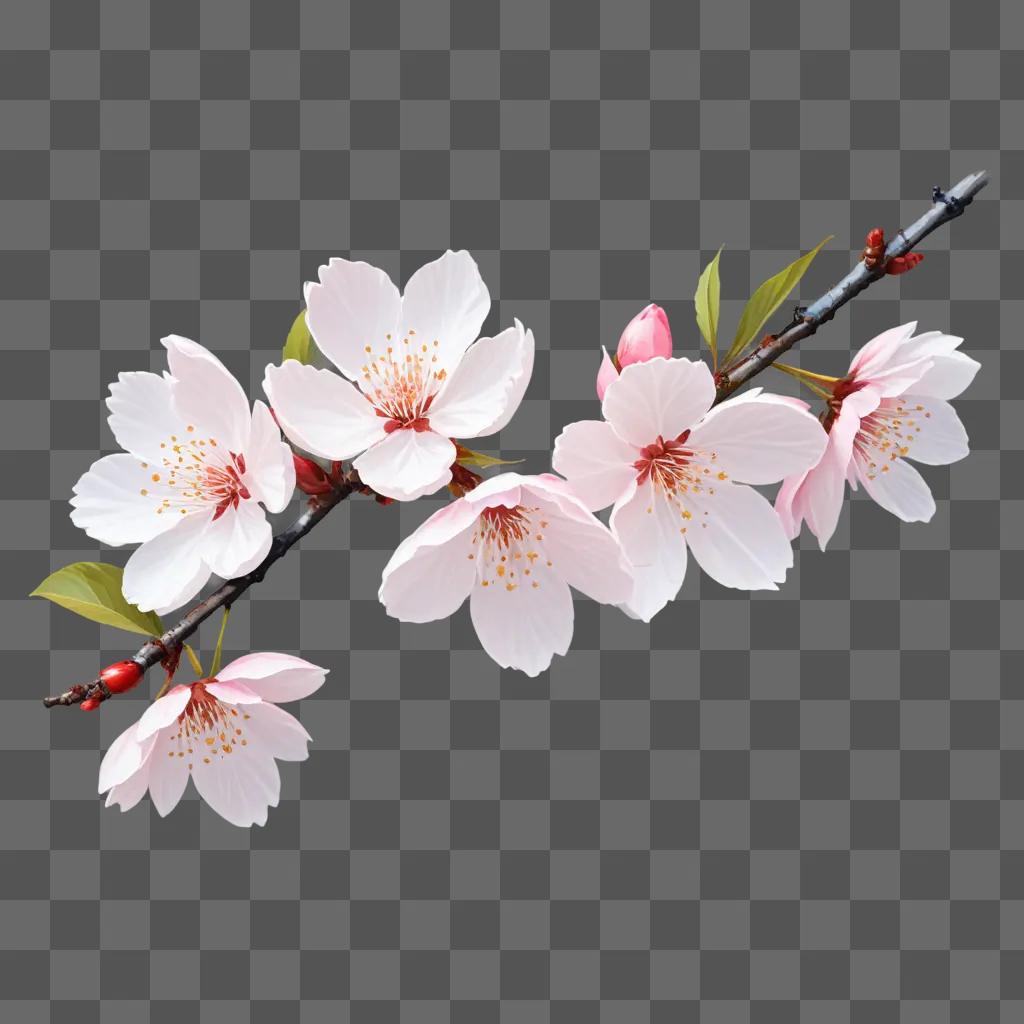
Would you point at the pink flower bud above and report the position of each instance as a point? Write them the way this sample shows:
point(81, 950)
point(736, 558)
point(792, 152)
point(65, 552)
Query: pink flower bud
point(606, 374)
point(646, 336)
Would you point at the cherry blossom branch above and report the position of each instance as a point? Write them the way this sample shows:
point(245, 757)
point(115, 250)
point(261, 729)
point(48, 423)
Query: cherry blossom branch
point(167, 648)
point(946, 206)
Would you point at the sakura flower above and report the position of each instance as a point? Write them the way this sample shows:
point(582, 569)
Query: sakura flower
point(892, 406)
point(223, 733)
point(647, 335)
point(418, 379)
point(513, 545)
point(196, 468)
point(675, 469)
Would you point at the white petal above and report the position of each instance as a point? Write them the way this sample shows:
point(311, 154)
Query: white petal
point(275, 677)
point(649, 528)
point(486, 387)
point(353, 306)
point(162, 569)
point(661, 397)
point(238, 541)
point(760, 439)
point(445, 301)
point(168, 777)
point(928, 345)
point(503, 489)
point(596, 462)
point(937, 435)
point(163, 712)
point(320, 411)
point(239, 786)
point(525, 627)
point(132, 790)
point(189, 588)
point(115, 502)
point(275, 731)
point(948, 376)
point(142, 416)
point(899, 489)
point(206, 395)
point(407, 464)
point(737, 538)
point(125, 756)
point(269, 466)
point(431, 574)
point(232, 691)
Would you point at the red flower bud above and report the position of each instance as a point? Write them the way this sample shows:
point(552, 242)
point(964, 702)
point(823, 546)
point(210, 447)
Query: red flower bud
point(876, 237)
point(89, 704)
point(120, 677)
point(310, 477)
point(901, 264)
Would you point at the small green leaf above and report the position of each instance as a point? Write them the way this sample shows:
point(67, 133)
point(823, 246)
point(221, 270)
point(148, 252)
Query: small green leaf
point(706, 303)
point(768, 297)
point(468, 457)
point(299, 344)
point(93, 590)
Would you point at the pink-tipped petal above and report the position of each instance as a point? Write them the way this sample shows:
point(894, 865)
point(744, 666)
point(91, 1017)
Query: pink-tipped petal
point(646, 336)
point(278, 678)
point(233, 691)
point(605, 374)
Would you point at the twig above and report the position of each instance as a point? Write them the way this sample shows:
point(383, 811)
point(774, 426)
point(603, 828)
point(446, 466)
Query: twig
point(946, 206)
point(156, 650)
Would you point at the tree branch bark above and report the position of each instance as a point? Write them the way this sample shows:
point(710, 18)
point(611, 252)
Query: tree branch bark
point(946, 207)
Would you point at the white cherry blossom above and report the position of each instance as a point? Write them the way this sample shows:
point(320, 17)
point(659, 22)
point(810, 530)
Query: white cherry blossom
point(414, 374)
point(198, 469)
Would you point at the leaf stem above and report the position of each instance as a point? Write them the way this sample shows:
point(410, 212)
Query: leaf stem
point(215, 664)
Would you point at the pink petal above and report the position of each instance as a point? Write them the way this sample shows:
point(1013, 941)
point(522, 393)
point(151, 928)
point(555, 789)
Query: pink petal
point(168, 777)
point(407, 464)
point(606, 374)
point(938, 438)
point(275, 677)
point(899, 489)
point(163, 712)
point(646, 336)
point(275, 731)
point(948, 376)
point(270, 468)
point(880, 351)
point(662, 397)
point(132, 790)
point(125, 756)
point(596, 462)
point(233, 691)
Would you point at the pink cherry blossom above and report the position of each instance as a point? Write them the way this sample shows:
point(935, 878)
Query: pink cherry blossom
point(416, 374)
point(676, 471)
point(892, 406)
point(198, 467)
point(223, 733)
point(513, 546)
point(647, 335)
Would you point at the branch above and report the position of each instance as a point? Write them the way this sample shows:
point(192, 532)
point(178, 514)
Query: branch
point(169, 646)
point(946, 207)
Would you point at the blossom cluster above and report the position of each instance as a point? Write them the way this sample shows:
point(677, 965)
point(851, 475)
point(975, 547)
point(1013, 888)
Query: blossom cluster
point(407, 379)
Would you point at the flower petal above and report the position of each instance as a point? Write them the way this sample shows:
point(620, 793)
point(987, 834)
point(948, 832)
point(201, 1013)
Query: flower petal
point(407, 464)
point(596, 462)
point(431, 573)
point(115, 501)
point(320, 411)
point(649, 528)
point(446, 301)
point(132, 790)
point(164, 568)
point(125, 756)
point(232, 691)
point(525, 627)
point(270, 468)
point(206, 395)
point(760, 439)
point(606, 373)
point(937, 437)
point(142, 416)
point(899, 489)
point(275, 677)
point(275, 731)
point(240, 786)
point(881, 351)
point(661, 397)
point(238, 541)
point(168, 777)
point(163, 712)
point(486, 387)
point(737, 538)
point(353, 306)
point(948, 376)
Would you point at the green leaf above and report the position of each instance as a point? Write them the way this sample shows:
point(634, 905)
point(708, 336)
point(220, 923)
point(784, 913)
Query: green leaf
point(468, 457)
point(706, 303)
point(768, 297)
point(93, 590)
point(299, 343)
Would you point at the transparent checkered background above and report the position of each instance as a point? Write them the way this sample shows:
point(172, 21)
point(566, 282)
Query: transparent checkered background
point(805, 806)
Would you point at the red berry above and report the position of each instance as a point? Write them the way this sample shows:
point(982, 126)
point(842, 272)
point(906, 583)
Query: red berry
point(121, 676)
point(89, 704)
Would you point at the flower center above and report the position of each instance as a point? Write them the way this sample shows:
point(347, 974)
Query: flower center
point(677, 471)
point(887, 434)
point(401, 379)
point(207, 728)
point(508, 547)
point(198, 474)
